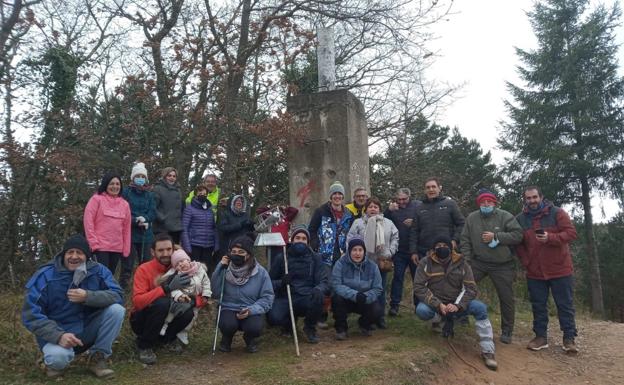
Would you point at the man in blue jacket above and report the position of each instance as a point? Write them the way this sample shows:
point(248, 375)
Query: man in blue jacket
point(73, 305)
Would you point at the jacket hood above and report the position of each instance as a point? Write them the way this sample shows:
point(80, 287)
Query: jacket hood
point(455, 257)
point(58, 264)
point(231, 204)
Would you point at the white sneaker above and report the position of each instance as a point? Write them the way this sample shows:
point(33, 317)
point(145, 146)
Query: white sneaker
point(183, 337)
point(163, 331)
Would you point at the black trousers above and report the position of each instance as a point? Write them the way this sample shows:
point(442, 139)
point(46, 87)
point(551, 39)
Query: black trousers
point(302, 307)
point(250, 326)
point(146, 324)
point(205, 256)
point(341, 307)
point(109, 259)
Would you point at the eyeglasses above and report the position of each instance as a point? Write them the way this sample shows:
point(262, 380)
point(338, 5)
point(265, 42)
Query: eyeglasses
point(360, 196)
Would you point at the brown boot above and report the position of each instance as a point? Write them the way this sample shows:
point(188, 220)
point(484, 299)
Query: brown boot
point(569, 346)
point(99, 366)
point(538, 343)
point(490, 360)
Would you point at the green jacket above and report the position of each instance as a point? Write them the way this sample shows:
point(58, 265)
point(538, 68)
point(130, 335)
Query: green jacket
point(507, 231)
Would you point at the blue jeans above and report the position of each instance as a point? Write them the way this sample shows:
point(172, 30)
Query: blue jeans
point(401, 262)
point(562, 290)
point(98, 336)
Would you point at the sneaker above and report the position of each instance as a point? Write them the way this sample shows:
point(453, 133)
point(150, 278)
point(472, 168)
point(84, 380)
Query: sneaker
point(225, 346)
point(147, 356)
point(436, 328)
point(175, 346)
point(311, 335)
point(538, 343)
point(505, 337)
point(183, 337)
point(252, 346)
point(341, 336)
point(322, 325)
point(366, 332)
point(98, 364)
point(569, 346)
point(489, 360)
point(394, 311)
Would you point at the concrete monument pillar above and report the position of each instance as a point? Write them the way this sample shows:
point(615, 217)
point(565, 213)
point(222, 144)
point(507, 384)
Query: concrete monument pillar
point(335, 149)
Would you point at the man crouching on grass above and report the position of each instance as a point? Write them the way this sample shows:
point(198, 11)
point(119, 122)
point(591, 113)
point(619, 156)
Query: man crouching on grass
point(73, 305)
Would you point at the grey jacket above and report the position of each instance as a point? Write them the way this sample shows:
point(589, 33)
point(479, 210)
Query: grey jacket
point(391, 237)
point(168, 199)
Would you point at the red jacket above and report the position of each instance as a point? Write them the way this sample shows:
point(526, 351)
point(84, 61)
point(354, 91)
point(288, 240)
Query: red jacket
point(551, 259)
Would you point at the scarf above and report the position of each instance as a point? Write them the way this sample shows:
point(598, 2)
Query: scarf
point(79, 274)
point(374, 233)
point(240, 275)
point(193, 269)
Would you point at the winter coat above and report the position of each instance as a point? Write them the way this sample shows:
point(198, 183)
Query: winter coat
point(256, 294)
point(232, 224)
point(199, 286)
point(307, 272)
point(435, 217)
point(348, 279)
point(435, 283)
point(107, 223)
point(551, 259)
point(391, 237)
point(145, 289)
point(397, 217)
point(141, 205)
point(47, 311)
point(213, 197)
point(198, 226)
point(356, 212)
point(168, 200)
point(506, 230)
point(327, 236)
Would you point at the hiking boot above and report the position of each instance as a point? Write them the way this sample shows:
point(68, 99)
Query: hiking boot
point(311, 335)
point(322, 325)
point(53, 373)
point(252, 346)
point(366, 332)
point(569, 346)
point(225, 345)
point(175, 346)
point(538, 343)
point(98, 364)
point(285, 332)
point(381, 324)
point(489, 360)
point(341, 336)
point(436, 327)
point(147, 356)
point(505, 337)
point(394, 311)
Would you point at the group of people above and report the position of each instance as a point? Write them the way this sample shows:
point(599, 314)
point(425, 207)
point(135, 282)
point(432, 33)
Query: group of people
point(201, 247)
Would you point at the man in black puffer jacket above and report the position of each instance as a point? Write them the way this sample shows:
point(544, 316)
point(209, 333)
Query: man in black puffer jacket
point(309, 284)
point(437, 215)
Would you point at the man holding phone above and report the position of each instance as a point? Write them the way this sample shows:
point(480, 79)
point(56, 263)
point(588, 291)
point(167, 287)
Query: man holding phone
point(545, 254)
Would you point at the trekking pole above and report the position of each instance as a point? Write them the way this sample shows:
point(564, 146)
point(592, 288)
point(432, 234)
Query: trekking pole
point(290, 306)
point(214, 345)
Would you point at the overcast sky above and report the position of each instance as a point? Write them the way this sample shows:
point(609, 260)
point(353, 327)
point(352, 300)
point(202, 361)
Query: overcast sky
point(476, 48)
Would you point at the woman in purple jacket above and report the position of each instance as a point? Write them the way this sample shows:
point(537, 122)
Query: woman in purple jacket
point(199, 232)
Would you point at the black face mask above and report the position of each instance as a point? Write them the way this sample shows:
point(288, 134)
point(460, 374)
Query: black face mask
point(201, 198)
point(237, 260)
point(443, 252)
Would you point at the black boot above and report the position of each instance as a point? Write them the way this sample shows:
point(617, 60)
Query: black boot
point(226, 344)
point(252, 345)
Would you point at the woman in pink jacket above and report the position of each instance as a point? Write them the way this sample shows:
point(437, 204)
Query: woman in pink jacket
point(107, 223)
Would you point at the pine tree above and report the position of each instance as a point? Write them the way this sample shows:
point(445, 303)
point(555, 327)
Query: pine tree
point(566, 128)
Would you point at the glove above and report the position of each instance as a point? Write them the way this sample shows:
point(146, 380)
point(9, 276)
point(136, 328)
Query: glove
point(287, 279)
point(360, 298)
point(316, 296)
point(176, 282)
point(145, 225)
point(140, 219)
point(178, 308)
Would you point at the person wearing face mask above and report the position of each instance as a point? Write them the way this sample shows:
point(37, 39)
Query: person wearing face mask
point(488, 234)
point(107, 222)
point(168, 199)
point(199, 232)
point(73, 305)
point(143, 211)
point(308, 282)
point(445, 287)
point(247, 294)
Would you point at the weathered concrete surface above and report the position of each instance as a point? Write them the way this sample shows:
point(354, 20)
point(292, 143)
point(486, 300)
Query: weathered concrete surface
point(326, 58)
point(335, 149)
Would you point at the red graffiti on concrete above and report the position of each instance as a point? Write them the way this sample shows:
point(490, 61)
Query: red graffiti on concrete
point(304, 192)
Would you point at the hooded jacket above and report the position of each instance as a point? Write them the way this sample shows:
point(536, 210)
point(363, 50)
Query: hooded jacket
point(350, 278)
point(435, 283)
point(107, 223)
point(435, 217)
point(232, 224)
point(47, 311)
point(307, 271)
point(198, 226)
point(168, 201)
point(327, 235)
point(391, 237)
point(506, 230)
point(551, 259)
point(256, 294)
point(142, 204)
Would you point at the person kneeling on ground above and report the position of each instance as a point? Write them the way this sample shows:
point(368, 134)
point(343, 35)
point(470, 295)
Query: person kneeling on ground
point(73, 305)
point(152, 302)
point(307, 277)
point(247, 294)
point(445, 287)
point(356, 282)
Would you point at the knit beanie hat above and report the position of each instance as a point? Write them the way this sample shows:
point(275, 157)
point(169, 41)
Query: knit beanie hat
point(442, 239)
point(178, 256)
point(139, 169)
point(485, 194)
point(356, 241)
point(243, 242)
point(300, 229)
point(336, 187)
point(77, 241)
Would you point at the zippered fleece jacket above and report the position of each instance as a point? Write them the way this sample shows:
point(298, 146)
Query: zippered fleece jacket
point(506, 230)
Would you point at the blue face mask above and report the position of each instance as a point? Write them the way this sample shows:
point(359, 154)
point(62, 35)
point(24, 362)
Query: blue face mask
point(298, 248)
point(486, 210)
point(139, 181)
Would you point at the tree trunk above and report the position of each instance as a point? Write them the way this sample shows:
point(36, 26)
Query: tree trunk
point(593, 260)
